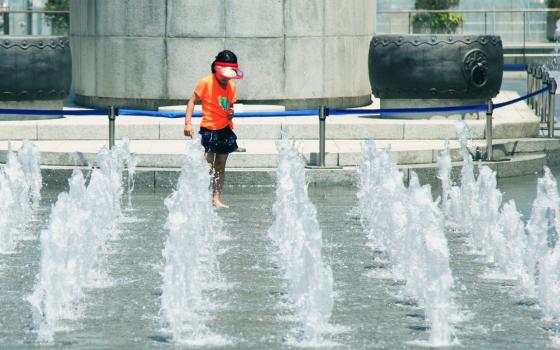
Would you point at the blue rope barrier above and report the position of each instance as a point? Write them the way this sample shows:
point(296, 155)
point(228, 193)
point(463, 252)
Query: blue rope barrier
point(503, 104)
point(297, 113)
point(344, 111)
point(53, 112)
point(141, 113)
point(515, 67)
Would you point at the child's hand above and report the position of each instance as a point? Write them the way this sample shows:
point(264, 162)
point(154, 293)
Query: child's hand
point(188, 130)
point(230, 112)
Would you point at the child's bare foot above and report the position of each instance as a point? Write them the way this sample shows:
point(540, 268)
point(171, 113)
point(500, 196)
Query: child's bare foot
point(218, 203)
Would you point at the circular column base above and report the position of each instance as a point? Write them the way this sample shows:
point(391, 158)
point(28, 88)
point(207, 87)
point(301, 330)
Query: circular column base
point(433, 103)
point(289, 104)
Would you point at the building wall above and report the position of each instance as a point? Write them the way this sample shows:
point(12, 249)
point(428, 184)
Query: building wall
point(298, 53)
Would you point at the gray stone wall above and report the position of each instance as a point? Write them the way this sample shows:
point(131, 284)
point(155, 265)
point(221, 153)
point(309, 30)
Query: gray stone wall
point(146, 53)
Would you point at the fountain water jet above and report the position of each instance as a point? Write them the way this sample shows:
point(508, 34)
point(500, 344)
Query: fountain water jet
point(542, 255)
point(408, 225)
point(497, 234)
point(444, 175)
point(20, 193)
point(73, 245)
point(463, 204)
point(191, 270)
point(296, 233)
point(130, 161)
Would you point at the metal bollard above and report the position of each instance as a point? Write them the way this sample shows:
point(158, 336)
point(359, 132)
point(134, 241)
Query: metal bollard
point(529, 67)
point(323, 113)
point(545, 97)
point(489, 111)
point(551, 106)
point(538, 86)
point(113, 113)
point(531, 84)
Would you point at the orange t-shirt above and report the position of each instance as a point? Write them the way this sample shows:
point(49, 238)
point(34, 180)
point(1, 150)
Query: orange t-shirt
point(215, 102)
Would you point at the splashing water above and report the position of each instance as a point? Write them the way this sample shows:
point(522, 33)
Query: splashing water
point(444, 175)
point(20, 193)
point(191, 270)
point(408, 225)
point(296, 233)
point(130, 161)
point(74, 243)
point(529, 254)
point(379, 177)
point(476, 203)
point(498, 235)
point(29, 159)
point(509, 248)
point(65, 261)
point(432, 283)
point(542, 251)
point(463, 203)
point(485, 208)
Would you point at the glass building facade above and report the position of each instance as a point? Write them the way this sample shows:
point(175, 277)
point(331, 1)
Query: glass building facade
point(516, 21)
point(18, 24)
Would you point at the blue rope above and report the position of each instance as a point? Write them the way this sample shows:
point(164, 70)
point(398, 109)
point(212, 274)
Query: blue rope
point(503, 104)
point(298, 113)
point(344, 111)
point(140, 113)
point(54, 112)
point(515, 67)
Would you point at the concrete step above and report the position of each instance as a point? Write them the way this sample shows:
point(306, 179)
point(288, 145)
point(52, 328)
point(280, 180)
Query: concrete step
point(264, 153)
point(165, 179)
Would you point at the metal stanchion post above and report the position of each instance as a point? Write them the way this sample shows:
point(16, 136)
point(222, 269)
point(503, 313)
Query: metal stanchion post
point(323, 113)
point(528, 79)
point(321, 163)
point(551, 106)
point(532, 86)
point(538, 86)
point(489, 111)
point(544, 104)
point(113, 113)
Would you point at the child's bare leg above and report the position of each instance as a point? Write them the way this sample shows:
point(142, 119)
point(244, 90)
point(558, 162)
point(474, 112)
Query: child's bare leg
point(210, 159)
point(219, 173)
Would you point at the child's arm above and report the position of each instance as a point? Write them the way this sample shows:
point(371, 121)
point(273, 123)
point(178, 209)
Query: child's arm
point(230, 112)
point(188, 116)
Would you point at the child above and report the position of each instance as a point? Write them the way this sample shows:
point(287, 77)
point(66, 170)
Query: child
point(218, 94)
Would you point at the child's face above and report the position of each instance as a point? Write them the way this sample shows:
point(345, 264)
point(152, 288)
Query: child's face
point(227, 71)
point(221, 78)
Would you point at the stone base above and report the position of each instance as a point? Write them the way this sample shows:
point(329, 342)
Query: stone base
point(37, 104)
point(237, 108)
point(289, 104)
point(422, 103)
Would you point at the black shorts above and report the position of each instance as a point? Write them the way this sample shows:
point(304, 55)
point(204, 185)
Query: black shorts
point(218, 141)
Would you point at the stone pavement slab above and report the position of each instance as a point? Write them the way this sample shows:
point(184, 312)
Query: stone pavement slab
point(513, 121)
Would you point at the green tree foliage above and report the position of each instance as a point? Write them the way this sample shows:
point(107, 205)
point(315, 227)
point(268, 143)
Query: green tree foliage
point(553, 4)
point(438, 22)
point(59, 22)
point(435, 4)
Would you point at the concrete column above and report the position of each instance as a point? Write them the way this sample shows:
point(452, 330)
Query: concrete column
point(143, 53)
